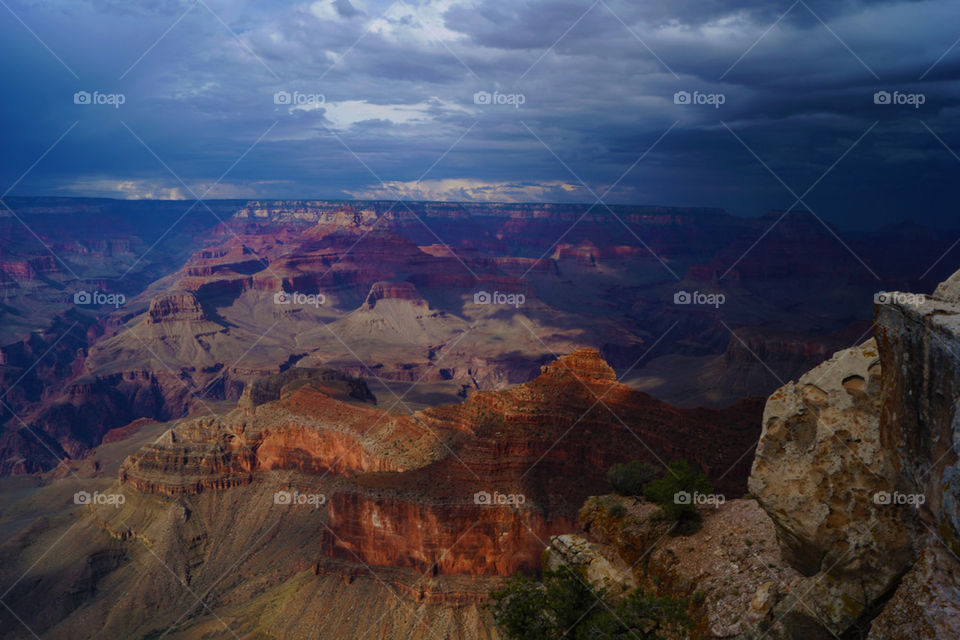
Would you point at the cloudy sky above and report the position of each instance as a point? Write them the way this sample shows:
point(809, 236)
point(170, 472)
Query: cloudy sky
point(747, 105)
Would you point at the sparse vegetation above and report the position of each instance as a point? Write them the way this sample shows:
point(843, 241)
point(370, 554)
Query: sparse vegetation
point(617, 511)
point(628, 478)
point(681, 478)
point(563, 605)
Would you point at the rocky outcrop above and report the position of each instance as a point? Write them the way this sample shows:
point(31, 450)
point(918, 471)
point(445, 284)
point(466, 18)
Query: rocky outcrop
point(919, 339)
point(334, 383)
point(175, 306)
point(595, 402)
point(925, 605)
point(730, 572)
point(598, 563)
point(393, 291)
point(307, 430)
point(857, 466)
point(820, 471)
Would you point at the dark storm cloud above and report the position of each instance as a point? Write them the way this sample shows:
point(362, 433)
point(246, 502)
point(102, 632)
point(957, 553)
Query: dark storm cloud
point(398, 82)
point(345, 9)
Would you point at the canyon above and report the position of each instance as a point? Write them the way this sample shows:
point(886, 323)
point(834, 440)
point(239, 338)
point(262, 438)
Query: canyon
point(301, 404)
point(310, 491)
point(387, 292)
point(409, 503)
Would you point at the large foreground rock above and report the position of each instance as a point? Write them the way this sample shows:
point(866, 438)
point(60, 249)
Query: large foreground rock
point(820, 472)
point(857, 466)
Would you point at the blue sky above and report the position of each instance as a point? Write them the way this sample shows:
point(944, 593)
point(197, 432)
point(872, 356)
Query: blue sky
point(468, 100)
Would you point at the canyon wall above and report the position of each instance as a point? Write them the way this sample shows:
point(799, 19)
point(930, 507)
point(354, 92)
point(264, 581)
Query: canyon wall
point(200, 321)
point(475, 488)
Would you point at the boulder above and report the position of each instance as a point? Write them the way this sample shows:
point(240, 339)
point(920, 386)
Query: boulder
point(822, 473)
point(599, 565)
point(857, 466)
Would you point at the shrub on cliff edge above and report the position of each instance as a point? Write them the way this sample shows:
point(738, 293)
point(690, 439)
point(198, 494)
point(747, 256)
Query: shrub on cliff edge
point(565, 606)
point(675, 494)
point(628, 478)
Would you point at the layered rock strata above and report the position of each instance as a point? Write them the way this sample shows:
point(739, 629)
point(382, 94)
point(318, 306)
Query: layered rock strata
point(474, 488)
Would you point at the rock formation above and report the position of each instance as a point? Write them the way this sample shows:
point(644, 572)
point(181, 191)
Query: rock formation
point(598, 563)
point(469, 488)
point(175, 306)
point(413, 517)
point(856, 472)
point(857, 467)
point(730, 572)
point(200, 323)
point(820, 471)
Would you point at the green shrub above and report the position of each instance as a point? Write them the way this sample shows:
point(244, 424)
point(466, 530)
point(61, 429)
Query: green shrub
point(606, 501)
point(617, 511)
point(628, 478)
point(638, 616)
point(526, 609)
point(681, 478)
point(565, 606)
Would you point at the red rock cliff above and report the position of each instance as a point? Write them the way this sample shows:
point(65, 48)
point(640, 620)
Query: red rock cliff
point(471, 488)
